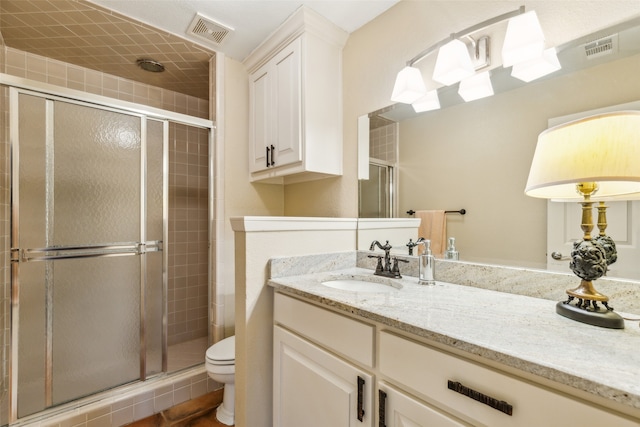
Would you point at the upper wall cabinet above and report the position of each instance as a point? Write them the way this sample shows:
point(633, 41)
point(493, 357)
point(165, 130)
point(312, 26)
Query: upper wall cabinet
point(295, 101)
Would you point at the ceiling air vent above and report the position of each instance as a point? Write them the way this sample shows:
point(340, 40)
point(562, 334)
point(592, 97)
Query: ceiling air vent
point(603, 46)
point(209, 30)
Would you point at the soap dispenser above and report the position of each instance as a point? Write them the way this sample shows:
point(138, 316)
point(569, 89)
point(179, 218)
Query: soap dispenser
point(451, 252)
point(426, 265)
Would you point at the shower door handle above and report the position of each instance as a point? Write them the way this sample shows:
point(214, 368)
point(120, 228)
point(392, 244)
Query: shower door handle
point(89, 251)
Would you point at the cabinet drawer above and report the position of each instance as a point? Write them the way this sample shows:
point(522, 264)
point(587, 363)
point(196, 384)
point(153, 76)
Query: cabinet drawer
point(341, 334)
point(399, 409)
point(479, 394)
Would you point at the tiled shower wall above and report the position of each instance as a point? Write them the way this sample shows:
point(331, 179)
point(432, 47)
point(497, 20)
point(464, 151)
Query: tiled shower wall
point(188, 233)
point(34, 67)
point(383, 142)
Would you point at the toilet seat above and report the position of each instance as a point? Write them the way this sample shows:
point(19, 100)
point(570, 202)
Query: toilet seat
point(222, 352)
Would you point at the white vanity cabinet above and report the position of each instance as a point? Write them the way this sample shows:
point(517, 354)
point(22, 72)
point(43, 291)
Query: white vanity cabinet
point(326, 362)
point(479, 394)
point(295, 102)
point(314, 383)
point(275, 111)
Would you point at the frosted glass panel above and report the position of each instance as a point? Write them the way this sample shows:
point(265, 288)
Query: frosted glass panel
point(154, 311)
point(96, 325)
point(155, 226)
point(31, 344)
point(32, 131)
point(97, 176)
point(80, 185)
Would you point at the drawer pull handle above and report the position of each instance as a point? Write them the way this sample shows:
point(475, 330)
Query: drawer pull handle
point(360, 399)
point(273, 150)
point(500, 405)
point(382, 408)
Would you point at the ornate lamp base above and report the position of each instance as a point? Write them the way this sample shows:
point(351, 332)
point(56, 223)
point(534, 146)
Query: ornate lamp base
point(601, 316)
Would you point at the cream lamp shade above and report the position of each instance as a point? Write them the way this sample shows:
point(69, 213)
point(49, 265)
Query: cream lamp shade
point(604, 149)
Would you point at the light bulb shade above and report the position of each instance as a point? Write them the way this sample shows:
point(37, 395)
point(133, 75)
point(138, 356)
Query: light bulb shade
point(524, 39)
point(453, 63)
point(476, 87)
point(427, 103)
point(604, 149)
point(409, 86)
point(536, 68)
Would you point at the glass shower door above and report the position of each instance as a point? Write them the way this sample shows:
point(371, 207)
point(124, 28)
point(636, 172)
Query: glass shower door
point(85, 236)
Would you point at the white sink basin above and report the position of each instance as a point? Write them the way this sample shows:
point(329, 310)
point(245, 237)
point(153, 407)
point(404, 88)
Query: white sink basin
point(356, 285)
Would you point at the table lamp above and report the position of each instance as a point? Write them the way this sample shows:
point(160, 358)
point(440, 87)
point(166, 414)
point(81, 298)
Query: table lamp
point(597, 156)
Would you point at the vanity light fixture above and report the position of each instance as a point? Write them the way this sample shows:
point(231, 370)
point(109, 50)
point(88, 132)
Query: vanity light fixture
point(538, 67)
point(453, 63)
point(427, 103)
point(409, 86)
point(475, 87)
point(592, 157)
point(524, 42)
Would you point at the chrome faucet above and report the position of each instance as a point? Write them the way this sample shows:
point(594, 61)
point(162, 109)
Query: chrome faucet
point(387, 270)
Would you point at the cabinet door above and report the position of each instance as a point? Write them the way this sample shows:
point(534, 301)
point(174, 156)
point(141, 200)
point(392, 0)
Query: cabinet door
point(260, 129)
point(287, 81)
point(313, 388)
point(400, 410)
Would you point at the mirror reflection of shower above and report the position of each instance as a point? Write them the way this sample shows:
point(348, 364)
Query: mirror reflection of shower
point(377, 194)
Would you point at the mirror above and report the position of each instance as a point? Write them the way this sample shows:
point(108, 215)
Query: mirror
point(477, 155)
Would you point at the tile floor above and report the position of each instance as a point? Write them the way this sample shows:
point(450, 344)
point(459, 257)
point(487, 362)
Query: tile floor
point(198, 412)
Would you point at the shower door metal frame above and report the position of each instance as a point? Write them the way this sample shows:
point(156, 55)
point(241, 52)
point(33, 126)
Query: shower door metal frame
point(23, 85)
point(140, 247)
point(130, 248)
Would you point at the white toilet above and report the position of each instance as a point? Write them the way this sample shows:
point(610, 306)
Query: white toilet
point(221, 367)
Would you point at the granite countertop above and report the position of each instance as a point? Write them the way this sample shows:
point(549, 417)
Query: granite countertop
point(518, 331)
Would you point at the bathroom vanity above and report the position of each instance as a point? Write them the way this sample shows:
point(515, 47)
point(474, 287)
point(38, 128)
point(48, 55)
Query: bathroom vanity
point(445, 355)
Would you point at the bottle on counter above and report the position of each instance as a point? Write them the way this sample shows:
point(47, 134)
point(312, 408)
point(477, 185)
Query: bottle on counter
point(451, 252)
point(426, 265)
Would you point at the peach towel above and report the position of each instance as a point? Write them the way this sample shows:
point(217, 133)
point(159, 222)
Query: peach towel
point(433, 226)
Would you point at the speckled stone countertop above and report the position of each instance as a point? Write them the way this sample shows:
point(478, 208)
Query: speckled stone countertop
point(518, 331)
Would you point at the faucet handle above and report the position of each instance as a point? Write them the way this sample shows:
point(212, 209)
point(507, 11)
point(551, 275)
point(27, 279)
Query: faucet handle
point(396, 268)
point(379, 267)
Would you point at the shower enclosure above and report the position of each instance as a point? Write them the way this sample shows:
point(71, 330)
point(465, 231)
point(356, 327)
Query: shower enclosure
point(91, 303)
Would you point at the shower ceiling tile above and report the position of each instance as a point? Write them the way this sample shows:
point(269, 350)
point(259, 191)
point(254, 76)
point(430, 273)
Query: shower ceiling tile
point(84, 34)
